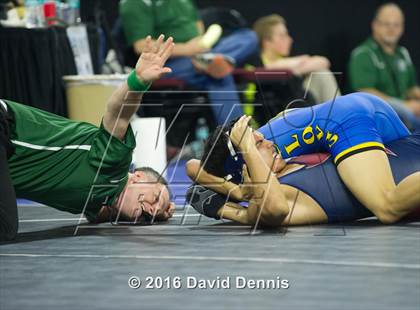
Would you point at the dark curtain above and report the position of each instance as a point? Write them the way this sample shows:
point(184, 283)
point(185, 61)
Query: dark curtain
point(32, 63)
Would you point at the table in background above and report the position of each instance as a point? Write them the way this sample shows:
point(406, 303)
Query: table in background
point(33, 62)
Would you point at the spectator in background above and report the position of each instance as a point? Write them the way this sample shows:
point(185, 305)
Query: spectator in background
point(275, 45)
point(192, 61)
point(382, 67)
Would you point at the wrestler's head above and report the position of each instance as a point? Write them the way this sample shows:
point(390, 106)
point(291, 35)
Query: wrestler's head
point(218, 160)
point(273, 35)
point(145, 197)
point(388, 24)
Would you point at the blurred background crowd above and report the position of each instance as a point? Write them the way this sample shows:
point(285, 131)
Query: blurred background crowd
point(231, 57)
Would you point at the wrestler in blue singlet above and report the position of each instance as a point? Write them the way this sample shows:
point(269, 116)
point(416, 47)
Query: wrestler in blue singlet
point(318, 178)
point(342, 127)
point(323, 184)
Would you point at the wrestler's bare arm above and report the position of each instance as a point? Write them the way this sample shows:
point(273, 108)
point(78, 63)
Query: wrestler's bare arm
point(304, 210)
point(268, 204)
point(196, 173)
point(123, 102)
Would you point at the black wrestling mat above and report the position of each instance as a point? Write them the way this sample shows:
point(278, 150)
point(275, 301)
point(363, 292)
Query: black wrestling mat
point(196, 263)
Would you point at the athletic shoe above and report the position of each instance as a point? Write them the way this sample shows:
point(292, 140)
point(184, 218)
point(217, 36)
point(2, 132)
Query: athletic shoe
point(212, 35)
point(216, 65)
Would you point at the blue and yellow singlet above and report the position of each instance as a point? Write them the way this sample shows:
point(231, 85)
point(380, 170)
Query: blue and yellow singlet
point(342, 127)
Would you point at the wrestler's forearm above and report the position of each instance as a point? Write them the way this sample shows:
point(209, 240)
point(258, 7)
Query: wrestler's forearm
point(218, 184)
point(123, 102)
point(268, 205)
point(120, 108)
point(180, 49)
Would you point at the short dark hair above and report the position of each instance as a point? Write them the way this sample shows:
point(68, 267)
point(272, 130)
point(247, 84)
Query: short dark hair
point(155, 175)
point(216, 150)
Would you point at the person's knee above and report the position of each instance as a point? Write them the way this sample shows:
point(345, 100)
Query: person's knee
point(271, 219)
point(246, 37)
point(252, 41)
point(386, 217)
point(251, 37)
point(384, 209)
point(272, 215)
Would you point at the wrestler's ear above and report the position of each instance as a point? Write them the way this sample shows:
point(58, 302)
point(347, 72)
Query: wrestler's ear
point(138, 176)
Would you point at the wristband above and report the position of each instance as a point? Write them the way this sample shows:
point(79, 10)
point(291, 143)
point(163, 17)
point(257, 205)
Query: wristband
point(135, 84)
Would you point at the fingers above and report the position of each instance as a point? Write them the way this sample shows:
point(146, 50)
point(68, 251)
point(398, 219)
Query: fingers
point(163, 49)
point(246, 119)
point(243, 121)
point(158, 44)
point(245, 174)
point(242, 135)
point(167, 49)
point(241, 125)
point(171, 210)
point(148, 46)
point(164, 46)
point(166, 70)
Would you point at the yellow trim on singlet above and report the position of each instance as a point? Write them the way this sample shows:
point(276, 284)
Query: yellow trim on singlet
point(358, 147)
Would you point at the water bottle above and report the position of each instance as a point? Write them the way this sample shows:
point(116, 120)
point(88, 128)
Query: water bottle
point(201, 134)
point(201, 130)
point(58, 8)
point(40, 13)
point(64, 12)
point(50, 12)
point(33, 14)
point(74, 12)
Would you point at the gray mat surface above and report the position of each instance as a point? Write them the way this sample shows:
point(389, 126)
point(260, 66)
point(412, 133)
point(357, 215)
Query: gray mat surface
point(358, 266)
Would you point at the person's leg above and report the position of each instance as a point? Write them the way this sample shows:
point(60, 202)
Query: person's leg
point(369, 177)
point(8, 208)
point(363, 164)
point(182, 68)
point(224, 98)
point(235, 212)
point(322, 85)
point(239, 45)
point(408, 117)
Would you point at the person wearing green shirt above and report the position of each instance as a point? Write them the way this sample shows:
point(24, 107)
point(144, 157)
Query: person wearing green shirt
point(200, 65)
point(382, 67)
point(78, 167)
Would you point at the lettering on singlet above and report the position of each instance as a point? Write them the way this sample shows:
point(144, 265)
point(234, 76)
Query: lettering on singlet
point(308, 136)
